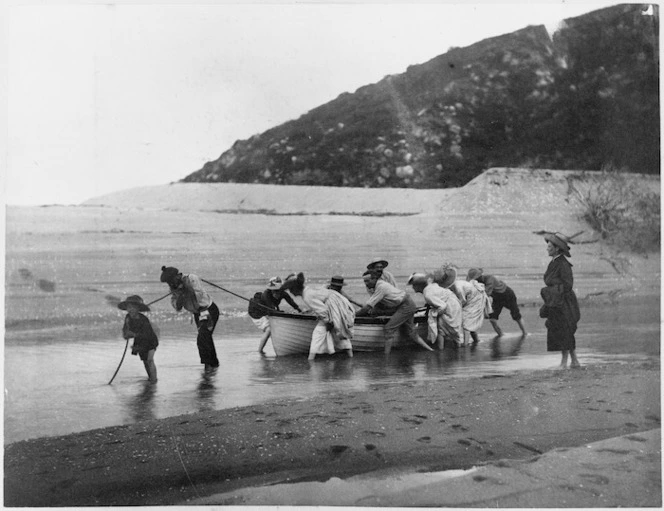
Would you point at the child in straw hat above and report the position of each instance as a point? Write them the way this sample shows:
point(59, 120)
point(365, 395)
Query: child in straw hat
point(138, 327)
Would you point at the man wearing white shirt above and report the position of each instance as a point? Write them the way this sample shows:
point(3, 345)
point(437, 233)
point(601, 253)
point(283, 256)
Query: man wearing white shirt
point(386, 296)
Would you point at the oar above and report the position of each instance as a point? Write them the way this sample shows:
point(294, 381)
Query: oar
point(127, 343)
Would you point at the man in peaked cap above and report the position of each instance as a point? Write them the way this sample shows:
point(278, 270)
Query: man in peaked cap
point(337, 284)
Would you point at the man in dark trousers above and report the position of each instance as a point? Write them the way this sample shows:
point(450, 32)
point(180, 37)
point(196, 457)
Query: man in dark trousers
point(188, 293)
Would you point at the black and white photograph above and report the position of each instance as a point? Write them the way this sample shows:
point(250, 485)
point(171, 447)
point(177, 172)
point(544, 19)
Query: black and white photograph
point(351, 254)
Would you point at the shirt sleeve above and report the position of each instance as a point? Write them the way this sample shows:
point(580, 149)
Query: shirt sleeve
point(290, 300)
point(196, 286)
point(378, 294)
point(389, 278)
point(435, 301)
point(125, 327)
point(314, 301)
point(566, 276)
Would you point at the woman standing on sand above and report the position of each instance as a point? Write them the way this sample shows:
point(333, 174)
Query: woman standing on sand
point(561, 308)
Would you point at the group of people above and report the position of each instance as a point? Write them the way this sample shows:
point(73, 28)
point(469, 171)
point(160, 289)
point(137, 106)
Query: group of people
point(456, 308)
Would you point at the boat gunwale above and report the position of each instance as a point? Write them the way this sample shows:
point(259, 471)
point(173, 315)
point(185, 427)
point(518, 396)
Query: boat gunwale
point(362, 320)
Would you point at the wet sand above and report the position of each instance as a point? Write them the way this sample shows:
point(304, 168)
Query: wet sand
point(427, 427)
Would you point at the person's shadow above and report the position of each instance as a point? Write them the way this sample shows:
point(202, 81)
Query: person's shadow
point(142, 405)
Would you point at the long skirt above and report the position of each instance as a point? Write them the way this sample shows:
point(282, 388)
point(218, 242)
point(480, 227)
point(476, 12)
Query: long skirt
point(474, 309)
point(561, 324)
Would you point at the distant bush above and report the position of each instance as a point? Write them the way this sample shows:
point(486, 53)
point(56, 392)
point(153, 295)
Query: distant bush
point(620, 208)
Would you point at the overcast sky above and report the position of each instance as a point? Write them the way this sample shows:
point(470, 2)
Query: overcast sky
point(104, 97)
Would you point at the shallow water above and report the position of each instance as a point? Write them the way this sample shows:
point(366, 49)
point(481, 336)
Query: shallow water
point(57, 382)
point(62, 342)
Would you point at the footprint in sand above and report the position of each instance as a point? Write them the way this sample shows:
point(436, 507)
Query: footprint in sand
point(424, 439)
point(595, 478)
point(336, 450)
point(375, 433)
point(485, 479)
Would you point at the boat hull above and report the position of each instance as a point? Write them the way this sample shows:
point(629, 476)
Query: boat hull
point(291, 333)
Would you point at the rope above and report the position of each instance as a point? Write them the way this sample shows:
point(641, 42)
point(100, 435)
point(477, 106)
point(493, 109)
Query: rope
point(159, 299)
point(175, 444)
point(223, 289)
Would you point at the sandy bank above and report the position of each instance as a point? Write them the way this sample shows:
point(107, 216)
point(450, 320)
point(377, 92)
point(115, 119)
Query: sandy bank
point(497, 191)
point(431, 427)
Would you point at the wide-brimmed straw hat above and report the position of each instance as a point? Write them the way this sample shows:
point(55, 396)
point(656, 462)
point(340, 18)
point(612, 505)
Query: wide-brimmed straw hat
point(445, 276)
point(559, 240)
point(374, 262)
point(474, 273)
point(134, 300)
point(274, 284)
point(337, 281)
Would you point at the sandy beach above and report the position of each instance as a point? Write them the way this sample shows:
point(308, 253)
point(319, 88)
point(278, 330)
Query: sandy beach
point(409, 428)
point(424, 428)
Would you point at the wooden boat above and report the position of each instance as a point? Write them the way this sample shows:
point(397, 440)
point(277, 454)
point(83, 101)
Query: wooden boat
point(291, 333)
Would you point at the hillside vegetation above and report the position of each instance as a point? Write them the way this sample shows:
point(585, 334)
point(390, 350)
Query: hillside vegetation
point(585, 98)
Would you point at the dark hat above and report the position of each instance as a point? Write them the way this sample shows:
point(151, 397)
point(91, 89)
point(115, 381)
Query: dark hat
point(168, 272)
point(376, 261)
point(445, 276)
point(293, 282)
point(474, 273)
point(134, 300)
point(337, 281)
point(560, 241)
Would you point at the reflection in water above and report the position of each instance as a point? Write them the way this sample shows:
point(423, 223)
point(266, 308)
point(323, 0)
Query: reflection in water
point(205, 391)
point(506, 347)
point(331, 368)
point(141, 406)
point(35, 406)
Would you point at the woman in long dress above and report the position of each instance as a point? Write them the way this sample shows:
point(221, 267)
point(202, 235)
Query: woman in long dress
point(561, 308)
point(475, 303)
point(336, 317)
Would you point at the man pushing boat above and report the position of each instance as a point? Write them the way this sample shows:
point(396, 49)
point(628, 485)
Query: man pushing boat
point(401, 306)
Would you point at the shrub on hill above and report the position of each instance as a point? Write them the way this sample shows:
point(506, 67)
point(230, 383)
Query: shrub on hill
point(620, 209)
